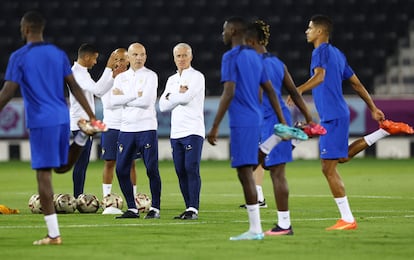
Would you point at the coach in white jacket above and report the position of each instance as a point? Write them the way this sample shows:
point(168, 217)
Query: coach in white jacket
point(136, 91)
point(184, 96)
point(112, 116)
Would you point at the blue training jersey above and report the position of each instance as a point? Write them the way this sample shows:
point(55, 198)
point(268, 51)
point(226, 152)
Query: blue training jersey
point(243, 66)
point(39, 69)
point(276, 71)
point(328, 97)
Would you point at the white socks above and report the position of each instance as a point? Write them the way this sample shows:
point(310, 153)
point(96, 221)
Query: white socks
point(267, 146)
point(134, 210)
point(260, 196)
point(344, 209)
point(375, 136)
point(254, 218)
point(283, 219)
point(156, 210)
point(192, 209)
point(81, 138)
point(106, 189)
point(52, 225)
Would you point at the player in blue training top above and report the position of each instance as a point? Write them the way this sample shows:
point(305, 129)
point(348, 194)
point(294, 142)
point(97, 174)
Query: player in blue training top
point(242, 74)
point(328, 69)
point(41, 70)
point(257, 36)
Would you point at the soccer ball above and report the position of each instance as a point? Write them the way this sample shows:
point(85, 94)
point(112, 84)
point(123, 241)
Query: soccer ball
point(55, 196)
point(65, 203)
point(34, 204)
point(87, 203)
point(143, 202)
point(112, 200)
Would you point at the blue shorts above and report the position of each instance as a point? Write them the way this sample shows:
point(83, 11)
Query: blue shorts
point(109, 144)
point(334, 144)
point(282, 153)
point(49, 146)
point(244, 146)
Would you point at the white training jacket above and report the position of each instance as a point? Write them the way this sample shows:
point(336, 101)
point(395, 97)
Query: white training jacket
point(139, 94)
point(112, 115)
point(90, 89)
point(187, 109)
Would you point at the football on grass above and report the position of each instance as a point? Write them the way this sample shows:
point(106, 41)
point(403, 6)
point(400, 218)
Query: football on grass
point(65, 203)
point(143, 202)
point(55, 196)
point(87, 203)
point(112, 200)
point(34, 204)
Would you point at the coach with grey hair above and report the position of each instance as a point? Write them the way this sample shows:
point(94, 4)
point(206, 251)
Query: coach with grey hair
point(184, 96)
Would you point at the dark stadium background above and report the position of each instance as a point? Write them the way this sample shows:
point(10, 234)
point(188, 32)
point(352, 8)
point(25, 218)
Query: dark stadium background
point(368, 31)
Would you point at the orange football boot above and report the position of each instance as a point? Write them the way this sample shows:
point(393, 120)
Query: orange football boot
point(343, 225)
point(395, 128)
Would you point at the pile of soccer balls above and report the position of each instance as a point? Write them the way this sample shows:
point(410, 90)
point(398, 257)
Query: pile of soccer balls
point(88, 203)
point(66, 203)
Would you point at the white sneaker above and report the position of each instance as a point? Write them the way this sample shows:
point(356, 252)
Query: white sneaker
point(112, 211)
point(248, 236)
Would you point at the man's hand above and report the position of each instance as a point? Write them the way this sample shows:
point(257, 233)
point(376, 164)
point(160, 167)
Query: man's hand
point(378, 115)
point(117, 91)
point(183, 89)
point(112, 61)
point(212, 136)
point(117, 70)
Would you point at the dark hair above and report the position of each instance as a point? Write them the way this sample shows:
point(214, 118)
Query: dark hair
point(87, 48)
point(260, 31)
point(35, 21)
point(324, 21)
point(238, 22)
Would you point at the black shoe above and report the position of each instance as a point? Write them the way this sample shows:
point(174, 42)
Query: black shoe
point(278, 231)
point(152, 214)
point(129, 214)
point(190, 215)
point(180, 216)
point(262, 204)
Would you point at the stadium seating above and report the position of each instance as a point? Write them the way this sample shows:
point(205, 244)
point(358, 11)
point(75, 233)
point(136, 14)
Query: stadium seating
point(399, 73)
point(367, 31)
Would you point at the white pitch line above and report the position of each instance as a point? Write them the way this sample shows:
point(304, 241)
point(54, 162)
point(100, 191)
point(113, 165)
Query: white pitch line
point(110, 225)
point(188, 223)
point(325, 219)
point(316, 196)
point(291, 195)
point(356, 210)
point(354, 196)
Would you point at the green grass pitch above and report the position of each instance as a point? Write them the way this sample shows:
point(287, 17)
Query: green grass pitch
point(381, 195)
